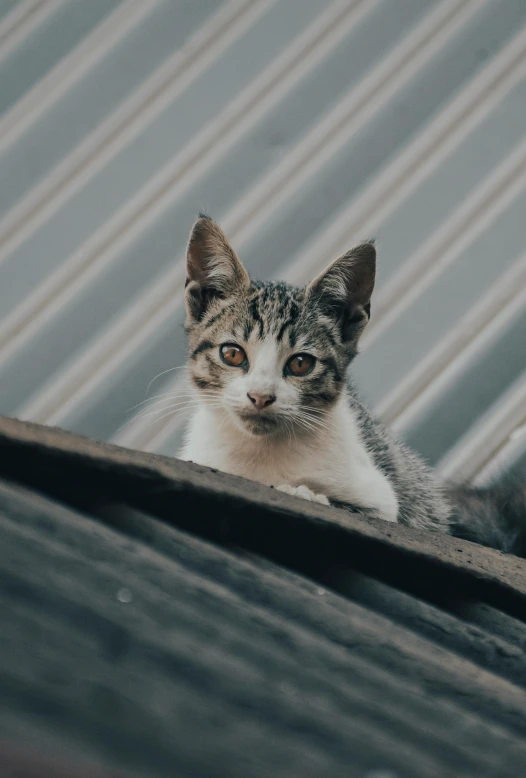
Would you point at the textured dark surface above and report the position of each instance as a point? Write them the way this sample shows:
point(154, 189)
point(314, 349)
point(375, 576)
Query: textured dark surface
point(159, 619)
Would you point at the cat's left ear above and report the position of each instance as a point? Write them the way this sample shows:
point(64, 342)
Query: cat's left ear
point(212, 268)
point(345, 288)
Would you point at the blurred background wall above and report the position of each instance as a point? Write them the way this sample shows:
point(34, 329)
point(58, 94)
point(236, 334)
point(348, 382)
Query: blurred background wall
point(302, 126)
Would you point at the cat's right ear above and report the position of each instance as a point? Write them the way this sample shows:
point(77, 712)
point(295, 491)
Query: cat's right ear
point(212, 268)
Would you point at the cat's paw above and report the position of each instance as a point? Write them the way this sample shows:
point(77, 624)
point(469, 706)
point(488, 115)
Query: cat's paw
point(305, 492)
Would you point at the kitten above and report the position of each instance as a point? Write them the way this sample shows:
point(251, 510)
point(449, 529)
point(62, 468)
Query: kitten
point(268, 362)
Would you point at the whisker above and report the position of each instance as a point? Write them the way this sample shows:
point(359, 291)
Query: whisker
point(313, 414)
point(170, 370)
point(312, 409)
point(305, 424)
point(152, 401)
point(155, 421)
point(295, 418)
point(180, 404)
point(310, 421)
point(322, 424)
point(172, 395)
point(157, 411)
point(292, 431)
point(222, 421)
point(175, 412)
point(149, 411)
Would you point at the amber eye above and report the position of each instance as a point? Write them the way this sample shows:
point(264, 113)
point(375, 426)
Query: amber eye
point(300, 364)
point(232, 355)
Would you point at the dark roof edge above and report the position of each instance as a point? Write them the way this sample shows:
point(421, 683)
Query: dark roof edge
point(235, 511)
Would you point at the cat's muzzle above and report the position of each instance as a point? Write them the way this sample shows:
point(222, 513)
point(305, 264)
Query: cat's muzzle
point(260, 422)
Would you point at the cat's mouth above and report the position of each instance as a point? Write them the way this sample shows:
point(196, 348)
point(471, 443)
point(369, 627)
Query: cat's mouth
point(259, 423)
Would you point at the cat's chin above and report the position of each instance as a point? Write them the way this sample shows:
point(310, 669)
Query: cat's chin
point(259, 425)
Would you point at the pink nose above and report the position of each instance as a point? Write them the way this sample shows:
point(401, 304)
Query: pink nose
point(261, 400)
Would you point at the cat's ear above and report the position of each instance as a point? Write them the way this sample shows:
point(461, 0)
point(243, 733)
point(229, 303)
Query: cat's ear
point(212, 268)
point(344, 289)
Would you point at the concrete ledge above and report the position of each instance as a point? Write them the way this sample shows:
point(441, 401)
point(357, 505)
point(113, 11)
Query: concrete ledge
point(161, 619)
point(231, 510)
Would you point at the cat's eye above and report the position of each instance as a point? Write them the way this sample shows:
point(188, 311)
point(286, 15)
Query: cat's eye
point(300, 365)
point(232, 355)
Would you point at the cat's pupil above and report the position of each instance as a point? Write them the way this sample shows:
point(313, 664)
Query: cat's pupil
point(232, 355)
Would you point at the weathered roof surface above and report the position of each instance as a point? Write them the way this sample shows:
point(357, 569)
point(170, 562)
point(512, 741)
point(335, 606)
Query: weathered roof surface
point(160, 619)
point(301, 125)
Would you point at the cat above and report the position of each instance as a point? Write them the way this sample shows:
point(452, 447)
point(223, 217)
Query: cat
point(269, 365)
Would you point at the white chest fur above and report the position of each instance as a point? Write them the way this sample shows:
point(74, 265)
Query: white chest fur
point(334, 461)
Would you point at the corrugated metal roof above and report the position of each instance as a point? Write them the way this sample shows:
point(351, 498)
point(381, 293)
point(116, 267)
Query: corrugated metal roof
point(302, 126)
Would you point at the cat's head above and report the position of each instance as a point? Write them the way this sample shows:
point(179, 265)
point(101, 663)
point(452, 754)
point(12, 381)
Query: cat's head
point(270, 355)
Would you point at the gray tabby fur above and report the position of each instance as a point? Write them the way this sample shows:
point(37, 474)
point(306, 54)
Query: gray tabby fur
point(271, 321)
point(422, 500)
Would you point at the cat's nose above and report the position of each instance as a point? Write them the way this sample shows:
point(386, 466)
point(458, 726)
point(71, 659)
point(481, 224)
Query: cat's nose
point(260, 400)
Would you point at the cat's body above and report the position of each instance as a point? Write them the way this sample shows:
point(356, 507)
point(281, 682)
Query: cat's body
point(333, 461)
point(354, 461)
point(269, 361)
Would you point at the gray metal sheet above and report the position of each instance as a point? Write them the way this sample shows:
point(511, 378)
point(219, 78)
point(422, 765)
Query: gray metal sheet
point(438, 308)
point(52, 40)
point(288, 121)
point(471, 394)
point(443, 192)
point(146, 154)
point(100, 92)
point(367, 151)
